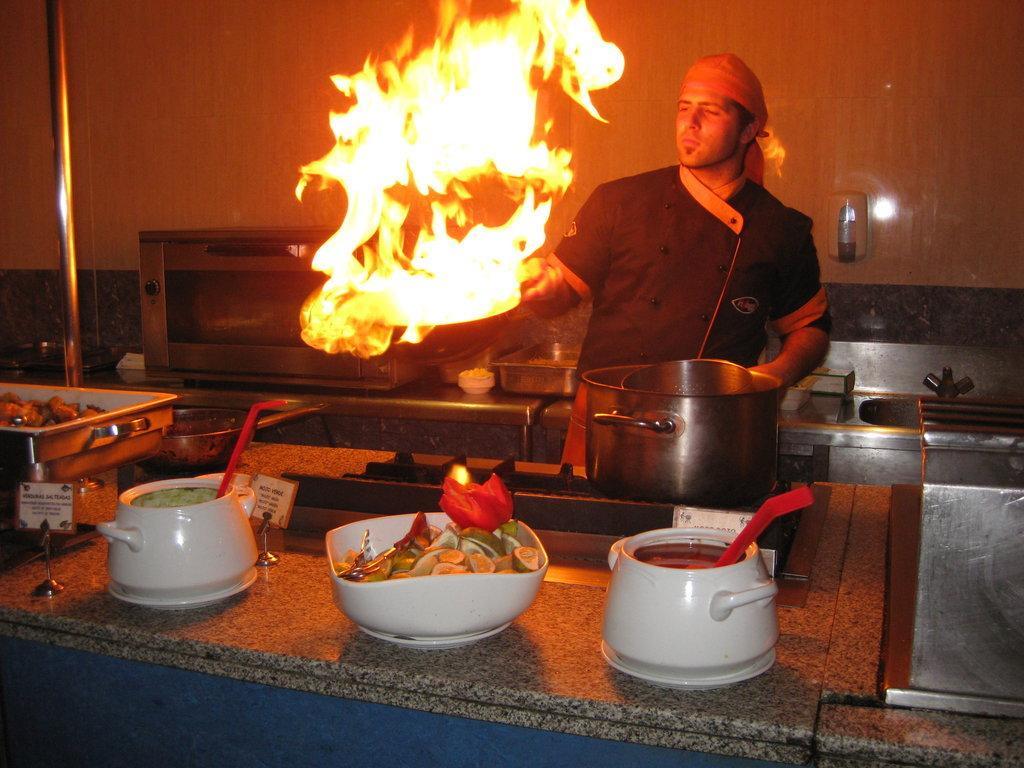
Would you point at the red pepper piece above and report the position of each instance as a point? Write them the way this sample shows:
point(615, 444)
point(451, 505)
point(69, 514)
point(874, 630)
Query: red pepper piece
point(480, 506)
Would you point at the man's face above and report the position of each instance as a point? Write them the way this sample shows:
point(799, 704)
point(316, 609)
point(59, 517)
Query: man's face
point(708, 131)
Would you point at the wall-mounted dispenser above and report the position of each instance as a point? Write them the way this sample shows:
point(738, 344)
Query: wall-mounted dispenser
point(848, 226)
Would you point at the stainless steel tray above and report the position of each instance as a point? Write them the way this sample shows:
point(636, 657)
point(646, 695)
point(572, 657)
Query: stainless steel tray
point(543, 369)
point(129, 429)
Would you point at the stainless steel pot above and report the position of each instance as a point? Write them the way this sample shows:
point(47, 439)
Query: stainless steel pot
point(690, 431)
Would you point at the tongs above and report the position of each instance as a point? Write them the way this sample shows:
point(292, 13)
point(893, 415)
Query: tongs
point(360, 567)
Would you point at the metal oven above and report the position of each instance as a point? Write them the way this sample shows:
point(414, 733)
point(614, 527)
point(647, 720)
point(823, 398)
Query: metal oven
point(224, 305)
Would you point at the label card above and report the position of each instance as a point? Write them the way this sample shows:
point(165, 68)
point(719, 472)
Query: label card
point(716, 519)
point(52, 502)
point(275, 496)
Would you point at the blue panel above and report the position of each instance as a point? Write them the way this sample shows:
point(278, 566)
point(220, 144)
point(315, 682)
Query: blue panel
point(69, 708)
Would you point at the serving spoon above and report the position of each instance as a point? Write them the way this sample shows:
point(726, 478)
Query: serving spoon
point(358, 569)
point(776, 506)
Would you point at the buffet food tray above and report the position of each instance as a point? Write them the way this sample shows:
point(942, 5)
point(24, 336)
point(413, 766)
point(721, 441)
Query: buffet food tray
point(543, 369)
point(129, 428)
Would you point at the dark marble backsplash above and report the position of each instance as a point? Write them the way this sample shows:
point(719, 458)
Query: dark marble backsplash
point(109, 309)
point(32, 307)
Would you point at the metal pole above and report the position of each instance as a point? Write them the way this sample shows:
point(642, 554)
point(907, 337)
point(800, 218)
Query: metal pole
point(62, 166)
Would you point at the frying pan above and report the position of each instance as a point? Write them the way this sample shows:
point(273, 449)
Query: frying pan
point(455, 341)
point(204, 437)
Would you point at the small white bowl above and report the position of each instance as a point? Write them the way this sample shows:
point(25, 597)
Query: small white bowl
point(473, 383)
point(429, 611)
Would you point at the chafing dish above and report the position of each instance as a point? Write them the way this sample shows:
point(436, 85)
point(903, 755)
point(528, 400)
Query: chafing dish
point(129, 428)
point(543, 369)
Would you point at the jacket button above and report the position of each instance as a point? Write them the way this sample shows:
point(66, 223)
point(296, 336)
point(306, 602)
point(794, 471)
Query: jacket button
point(663, 248)
point(723, 268)
point(705, 318)
point(643, 355)
point(655, 301)
point(667, 206)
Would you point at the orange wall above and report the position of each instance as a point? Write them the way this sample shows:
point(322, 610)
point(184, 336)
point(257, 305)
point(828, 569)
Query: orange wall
point(198, 113)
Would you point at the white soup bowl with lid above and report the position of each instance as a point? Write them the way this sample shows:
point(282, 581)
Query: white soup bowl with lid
point(689, 627)
point(177, 552)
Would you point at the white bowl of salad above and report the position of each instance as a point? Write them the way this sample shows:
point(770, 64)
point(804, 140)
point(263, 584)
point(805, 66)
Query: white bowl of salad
point(465, 576)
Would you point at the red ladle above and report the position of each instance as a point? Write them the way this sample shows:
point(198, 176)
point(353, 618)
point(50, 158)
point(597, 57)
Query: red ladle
point(776, 506)
point(243, 440)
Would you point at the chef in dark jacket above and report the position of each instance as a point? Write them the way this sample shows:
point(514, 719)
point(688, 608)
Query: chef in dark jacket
point(693, 260)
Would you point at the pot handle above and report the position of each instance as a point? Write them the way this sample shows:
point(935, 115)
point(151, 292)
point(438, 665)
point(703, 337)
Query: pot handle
point(247, 498)
point(112, 432)
point(661, 426)
point(724, 603)
point(614, 551)
point(130, 536)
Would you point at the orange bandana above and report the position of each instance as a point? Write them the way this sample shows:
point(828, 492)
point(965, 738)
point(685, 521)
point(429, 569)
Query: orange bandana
point(726, 74)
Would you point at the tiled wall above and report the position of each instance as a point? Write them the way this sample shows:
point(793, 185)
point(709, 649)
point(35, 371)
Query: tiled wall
point(190, 114)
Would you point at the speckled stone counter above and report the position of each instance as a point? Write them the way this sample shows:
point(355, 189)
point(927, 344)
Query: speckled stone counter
point(810, 704)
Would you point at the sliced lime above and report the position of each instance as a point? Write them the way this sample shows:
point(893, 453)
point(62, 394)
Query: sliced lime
point(405, 559)
point(479, 563)
point(451, 556)
point(424, 565)
point(447, 539)
point(485, 540)
point(509, 543)
point(525, 559)
point(445, 569)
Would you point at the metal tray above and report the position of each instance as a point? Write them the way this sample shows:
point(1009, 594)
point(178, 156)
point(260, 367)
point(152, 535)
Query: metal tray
point(543, 369)
point(129, 429)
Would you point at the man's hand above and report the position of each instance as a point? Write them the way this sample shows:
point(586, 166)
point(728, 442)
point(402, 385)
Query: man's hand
point(802, 351)
point(547, 281)
point(539, 279)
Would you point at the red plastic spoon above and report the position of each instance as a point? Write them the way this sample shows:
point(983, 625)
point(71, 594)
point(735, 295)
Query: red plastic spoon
point(243, 440)
point(776, 506)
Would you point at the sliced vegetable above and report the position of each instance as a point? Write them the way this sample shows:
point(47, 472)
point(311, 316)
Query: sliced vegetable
point(445, 569)
point(447, 539)
point(481, 563)
point(424, 565)
point(418, 528)
point(525, 559)
point(509, 543)
point(485, 540)
point(405, 559)
point(451, 556)
point(428, 550)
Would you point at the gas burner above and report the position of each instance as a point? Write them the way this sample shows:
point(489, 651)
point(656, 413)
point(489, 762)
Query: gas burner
point(517, 475)
point(546, 496)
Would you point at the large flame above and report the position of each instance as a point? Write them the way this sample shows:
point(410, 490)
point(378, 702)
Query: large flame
point(449, 172)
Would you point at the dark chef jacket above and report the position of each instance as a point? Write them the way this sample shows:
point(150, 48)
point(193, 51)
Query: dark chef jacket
point(656, 262)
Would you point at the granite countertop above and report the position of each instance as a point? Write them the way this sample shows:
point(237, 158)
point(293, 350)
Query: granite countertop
point(817, 701)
